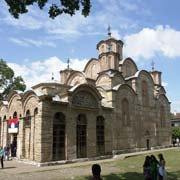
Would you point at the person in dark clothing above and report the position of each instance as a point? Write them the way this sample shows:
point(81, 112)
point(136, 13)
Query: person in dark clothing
point(147, 168)
point(96, 171)
point(2, 156)
point(154, 167)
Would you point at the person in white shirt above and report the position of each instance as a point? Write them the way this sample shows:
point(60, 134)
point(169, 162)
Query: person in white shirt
point(177, 141)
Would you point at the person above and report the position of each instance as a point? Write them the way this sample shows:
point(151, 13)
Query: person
point(2, 156)
point(96, 171)
point(161, 170)
point(6, 152)
point(147, 168)
point(177, 141)
point(154, 167)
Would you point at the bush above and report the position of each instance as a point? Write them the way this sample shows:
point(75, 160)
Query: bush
point(176, 132)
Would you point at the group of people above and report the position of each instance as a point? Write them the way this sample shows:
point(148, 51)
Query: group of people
point(154, 169)
point(5, 152)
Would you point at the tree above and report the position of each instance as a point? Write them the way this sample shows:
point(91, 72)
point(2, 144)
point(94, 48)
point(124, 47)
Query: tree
point(64, 6)
point(8, 81)
point(176, 132)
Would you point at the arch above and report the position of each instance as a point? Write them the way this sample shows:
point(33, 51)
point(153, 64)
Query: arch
point(85, 95)
point(36, 111)
point(27, 94)
point(30, 101)
point(163, 100)
point(92, 68)
point(28, 119)
point(15, 103)
point(145, 73)
point(103, 80)
point(164, 109)
point(59, 131)
point(100, 135)
point(89, 64)
point(109, 79)
point(126, 86)
point(75, 78)
point(146, 88)
point(4, 118)
point(15, 114)
point(129, 67)
point(13, 93)
point(118, 79)
point(81, 136)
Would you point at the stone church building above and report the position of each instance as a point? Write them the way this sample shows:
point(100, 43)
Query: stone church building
point(110, 107)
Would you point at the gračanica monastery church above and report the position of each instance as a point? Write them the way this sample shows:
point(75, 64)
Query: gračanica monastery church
point(110, 107)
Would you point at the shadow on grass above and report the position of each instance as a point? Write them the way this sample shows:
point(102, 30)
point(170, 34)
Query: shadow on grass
point(124, 176)
point(174, 175)
point(135, 176)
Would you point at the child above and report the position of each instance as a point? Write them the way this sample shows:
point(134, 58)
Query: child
point(96, 171)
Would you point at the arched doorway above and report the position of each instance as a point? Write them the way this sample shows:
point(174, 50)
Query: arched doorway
point(81, 131)
point(58, 137)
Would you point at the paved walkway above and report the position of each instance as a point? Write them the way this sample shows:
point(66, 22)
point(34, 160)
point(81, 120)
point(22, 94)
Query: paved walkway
point(22, 171)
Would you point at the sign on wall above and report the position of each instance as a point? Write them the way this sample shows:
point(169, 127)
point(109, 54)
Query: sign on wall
point(13, 125)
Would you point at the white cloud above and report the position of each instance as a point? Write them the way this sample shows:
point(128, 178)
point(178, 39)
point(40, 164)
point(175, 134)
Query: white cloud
point(30, 42)
point(41, 71)
point(19, 42)
point(146, 43)
point(175, 106)
point(67, 27)
point(165, 84)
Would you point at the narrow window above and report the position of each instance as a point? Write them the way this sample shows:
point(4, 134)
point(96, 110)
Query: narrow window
point(125, 112)
point(28, 119)
point(15, 115)
point(59, 136)
point(162, 116)
point(81, 136)
point(100, 145)
point(145, 96)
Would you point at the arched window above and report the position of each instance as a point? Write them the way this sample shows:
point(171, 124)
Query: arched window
point(100, 145)
point(125, 112)
point(34, 131)
point(28, 118)
point(81, 136)
point(102, 48)
point(59, 136)
point(15, 115)
point(162, 116)
point(145, 96)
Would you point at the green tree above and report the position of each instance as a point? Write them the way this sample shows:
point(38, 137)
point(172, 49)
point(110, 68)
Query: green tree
point(176, 132)
point(8, 81)
point(17, 7)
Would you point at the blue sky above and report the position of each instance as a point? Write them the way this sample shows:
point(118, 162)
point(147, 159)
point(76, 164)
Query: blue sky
point(35, 46)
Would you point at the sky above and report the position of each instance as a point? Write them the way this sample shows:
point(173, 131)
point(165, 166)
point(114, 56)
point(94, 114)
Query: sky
point(35, 46)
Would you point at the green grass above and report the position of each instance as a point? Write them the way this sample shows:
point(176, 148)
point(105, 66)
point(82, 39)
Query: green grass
point(131, 168)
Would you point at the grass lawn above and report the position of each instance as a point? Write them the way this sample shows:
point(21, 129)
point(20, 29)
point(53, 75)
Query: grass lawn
point(131, 167)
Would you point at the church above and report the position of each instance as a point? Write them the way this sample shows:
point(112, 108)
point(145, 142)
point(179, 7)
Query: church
point(111, 107)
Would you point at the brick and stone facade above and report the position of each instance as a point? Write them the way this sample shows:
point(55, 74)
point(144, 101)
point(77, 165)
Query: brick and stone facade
point(109, 107)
